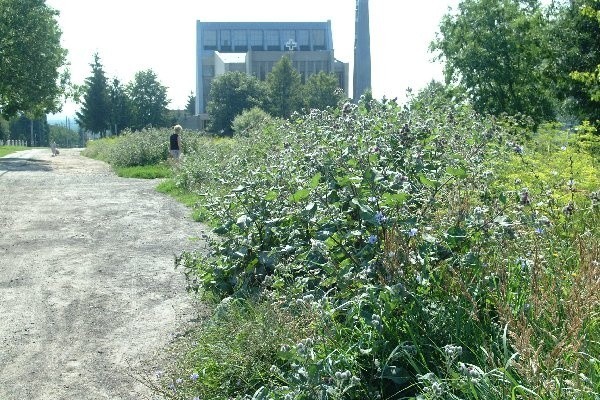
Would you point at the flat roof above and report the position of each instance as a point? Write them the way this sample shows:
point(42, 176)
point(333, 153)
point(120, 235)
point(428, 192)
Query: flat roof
point(265, 25)
point(232, 58)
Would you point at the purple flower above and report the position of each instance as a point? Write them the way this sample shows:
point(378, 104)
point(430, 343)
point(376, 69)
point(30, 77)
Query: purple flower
point(194, 376)
point(379, 217)
point(412, 232)
point(372, 239)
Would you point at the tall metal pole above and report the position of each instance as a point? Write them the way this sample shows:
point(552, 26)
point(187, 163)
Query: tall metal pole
point(362, 50)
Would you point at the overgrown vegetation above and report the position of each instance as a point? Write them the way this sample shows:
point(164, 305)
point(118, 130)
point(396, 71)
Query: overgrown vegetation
point(439, 254)
point(387, 252)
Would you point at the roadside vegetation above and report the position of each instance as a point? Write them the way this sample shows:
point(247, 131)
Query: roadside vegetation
point(445, 248)
point(384, 251)
point(5, 150)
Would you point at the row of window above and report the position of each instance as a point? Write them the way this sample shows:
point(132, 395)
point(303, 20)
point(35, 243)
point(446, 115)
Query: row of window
point(242, 40)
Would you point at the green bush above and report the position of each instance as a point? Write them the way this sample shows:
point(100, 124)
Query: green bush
point(251, 120)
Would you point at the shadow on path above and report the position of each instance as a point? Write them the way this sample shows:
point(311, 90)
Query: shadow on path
point(8, 164)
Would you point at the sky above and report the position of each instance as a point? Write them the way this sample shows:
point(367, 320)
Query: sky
point(137, 35)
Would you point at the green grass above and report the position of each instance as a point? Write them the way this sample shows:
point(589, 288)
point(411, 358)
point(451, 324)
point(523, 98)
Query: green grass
point(184, 196)
point(5, 150)
point(145, 172)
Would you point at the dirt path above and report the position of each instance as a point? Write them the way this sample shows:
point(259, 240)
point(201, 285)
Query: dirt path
point(88, 291)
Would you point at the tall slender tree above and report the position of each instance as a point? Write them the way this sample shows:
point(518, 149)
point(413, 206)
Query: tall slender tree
point(94, 115)
point(190, 107)
point(284, 88)
point(120, 107)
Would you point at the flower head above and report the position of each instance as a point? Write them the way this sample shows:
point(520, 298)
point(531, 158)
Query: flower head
point(380, 218)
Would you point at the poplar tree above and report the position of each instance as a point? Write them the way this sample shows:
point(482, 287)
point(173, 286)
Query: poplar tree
point(285, 89)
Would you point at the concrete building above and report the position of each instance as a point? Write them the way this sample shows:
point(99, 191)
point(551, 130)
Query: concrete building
point(254, 47)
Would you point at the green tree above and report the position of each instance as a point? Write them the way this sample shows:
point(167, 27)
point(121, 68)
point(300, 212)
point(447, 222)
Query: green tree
point(190, 107)
point(63, 136)
point(284, 88)
point(120, 107)
point(94, 115)
point(33, 131)
point(575, 33)
point(4, 130)
point(499, 51)
point(148, 100)
point(322, 90)
point(230, 94)
point(31, 58)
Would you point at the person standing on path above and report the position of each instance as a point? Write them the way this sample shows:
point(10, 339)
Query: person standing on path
point(54, 149)
point(175, 142)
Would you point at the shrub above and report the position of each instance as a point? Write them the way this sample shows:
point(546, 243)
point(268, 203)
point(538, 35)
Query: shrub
point(251, 120)
point(429, 271)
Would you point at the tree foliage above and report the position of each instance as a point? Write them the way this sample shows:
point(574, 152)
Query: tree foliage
point(120, 107)
point(30, 58)
point(576, 33)
point(499, 51)
point(322, 90)
point(33, 131)
point(63, 136)
point(148, 100)
point(230, 94)
point(190, 106)
point(94, 114)
point(284, 88)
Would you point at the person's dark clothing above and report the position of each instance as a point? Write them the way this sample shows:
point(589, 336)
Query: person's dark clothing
point(174, 143)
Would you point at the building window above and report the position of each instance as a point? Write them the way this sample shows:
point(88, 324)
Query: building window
point(240, 41)
point(272, 40)
point(256, 40)
point(318, 39)
point(225, 40)
point(209, 38)
point(303, 40)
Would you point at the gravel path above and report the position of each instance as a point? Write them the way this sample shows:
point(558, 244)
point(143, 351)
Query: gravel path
point(88, 291)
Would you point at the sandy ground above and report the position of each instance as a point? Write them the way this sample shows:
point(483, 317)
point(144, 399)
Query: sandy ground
point(89, 295)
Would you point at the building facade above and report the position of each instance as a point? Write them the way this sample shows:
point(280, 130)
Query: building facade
point(255, 47)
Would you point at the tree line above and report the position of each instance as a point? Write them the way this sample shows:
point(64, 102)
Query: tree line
point(280, 95)
point(111, 106)
point(514, 57)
